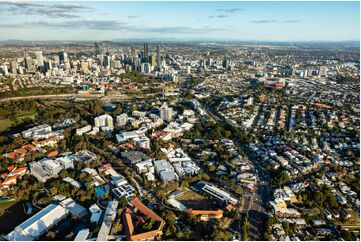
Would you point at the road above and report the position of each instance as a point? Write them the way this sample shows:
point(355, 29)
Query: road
point(258, 211)
point(53, 96)
point(255, 204)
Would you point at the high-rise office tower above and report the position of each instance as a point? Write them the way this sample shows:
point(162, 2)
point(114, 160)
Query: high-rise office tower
point(152, 60)
point(106, 61)
point(5, 70)
point(28, 63)
point(145, 68)
point(48, 65)
point(14, 67)
point(63, 57)
point(85, 66)
point(146, 53)
point(98, 49)
point(159, 61)
point(133, 51)
point(322, 71)
point(226, 63)
point(39, 58)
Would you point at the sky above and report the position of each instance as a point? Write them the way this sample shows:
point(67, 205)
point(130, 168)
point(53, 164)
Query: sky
point(255, 21)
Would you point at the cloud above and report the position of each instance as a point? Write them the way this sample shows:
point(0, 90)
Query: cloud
point(132, 16)
point(265, 21)
point(76, 24)
point(174, 29)
point(292, 21)
point(109, 25)
point(229, 10)
point(218, 16)
point(53, 10)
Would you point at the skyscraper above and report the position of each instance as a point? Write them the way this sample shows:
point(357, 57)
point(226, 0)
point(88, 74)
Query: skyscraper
point(28, 63)
point(48, 65)
point(5, 69)
point(159, 61)
point(63, 57)
point(322, 71)
point(146, 53)
point(226, 63)
point(98, 49)
point(152, 60)
point(106, 61)
point(133, 53)
point(145, 68)
point(39, 58)
point(14, 67)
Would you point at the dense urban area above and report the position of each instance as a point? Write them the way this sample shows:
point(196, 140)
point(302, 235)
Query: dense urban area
point(179, 141)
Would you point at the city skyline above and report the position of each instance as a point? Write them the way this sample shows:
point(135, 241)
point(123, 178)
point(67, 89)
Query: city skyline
point(242, 21)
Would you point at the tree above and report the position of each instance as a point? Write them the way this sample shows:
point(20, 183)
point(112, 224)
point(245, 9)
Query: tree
point(117, 226)
point(220, 235)
point(205, 176)
point(245, 228)
point(227, 133)
point(184, 183)
point(148, 224)
point(133, 108)
point(346, 235)
point(123, 202)
point(50, 235)
point(53, 191)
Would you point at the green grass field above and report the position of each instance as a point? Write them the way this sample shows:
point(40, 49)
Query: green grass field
point(6, 123)
point(11, 215)
point(5, 204)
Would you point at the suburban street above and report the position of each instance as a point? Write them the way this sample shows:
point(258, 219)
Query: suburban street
point(255, 204)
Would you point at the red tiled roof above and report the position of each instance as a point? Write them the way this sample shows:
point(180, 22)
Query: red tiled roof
point(206, 212)
point(21, 151)
point(145, 210)
point(5, 185)
point(129, 227)
point(29, 147)
point(4, 175)
point(52, 153)
point(12, 155)
point(10, 168)
point(146, 235)
point(19, 170)
point(12, 178)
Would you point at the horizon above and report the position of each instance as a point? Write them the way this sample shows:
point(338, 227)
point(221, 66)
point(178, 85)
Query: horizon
point(181, 21)
point(141, 40)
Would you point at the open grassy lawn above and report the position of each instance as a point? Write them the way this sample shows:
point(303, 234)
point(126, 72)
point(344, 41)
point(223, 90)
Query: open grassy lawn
point(11, 215)
point(190, 195)
point(4, 124)
point(195, 200)
point(5, 204)
point(26, 114)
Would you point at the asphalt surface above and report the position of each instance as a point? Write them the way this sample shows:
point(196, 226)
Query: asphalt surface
point(255, 204)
